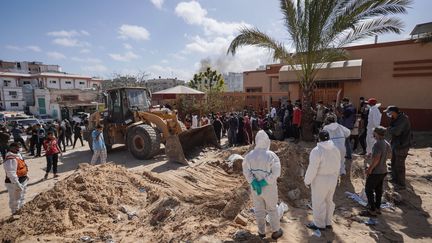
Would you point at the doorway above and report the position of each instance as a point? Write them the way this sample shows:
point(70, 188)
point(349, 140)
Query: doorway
point(326, 91)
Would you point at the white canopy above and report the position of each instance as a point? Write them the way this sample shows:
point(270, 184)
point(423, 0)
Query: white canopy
point(180, 89)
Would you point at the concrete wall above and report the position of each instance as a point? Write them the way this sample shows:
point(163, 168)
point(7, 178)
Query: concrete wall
point(81, 84)
point(8, 81)
point(378, 80)
point(14, 105)
point(53, 83)
point(67, 83)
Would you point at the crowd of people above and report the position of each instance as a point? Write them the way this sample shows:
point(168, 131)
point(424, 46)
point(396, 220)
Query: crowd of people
point(50, 140)
point(63, 131)
point(337, 129)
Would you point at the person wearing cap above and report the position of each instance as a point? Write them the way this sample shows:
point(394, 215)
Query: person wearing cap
point(338, 134)
point(400, 131)
point(376, 173)
point(374, 120)
point(322, 175)
point(16, 177)
point(261, 168)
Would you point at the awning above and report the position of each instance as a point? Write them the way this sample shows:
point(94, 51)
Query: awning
point(180, 89)
point(171, 93)
point(335, 71)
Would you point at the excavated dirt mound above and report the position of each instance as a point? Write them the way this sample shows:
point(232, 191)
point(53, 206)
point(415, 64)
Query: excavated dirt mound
point(294, 161)
point(108, 202)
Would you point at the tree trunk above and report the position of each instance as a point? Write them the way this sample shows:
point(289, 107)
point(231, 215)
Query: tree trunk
point(307, 122)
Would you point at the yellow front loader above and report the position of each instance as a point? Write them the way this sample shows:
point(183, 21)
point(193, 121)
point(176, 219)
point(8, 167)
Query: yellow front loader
point(130, 121)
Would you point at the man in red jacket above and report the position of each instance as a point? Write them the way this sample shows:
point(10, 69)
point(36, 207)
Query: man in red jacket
point(297, 115)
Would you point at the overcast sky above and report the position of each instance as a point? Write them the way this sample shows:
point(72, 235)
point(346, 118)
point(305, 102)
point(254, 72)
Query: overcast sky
point(165, 38)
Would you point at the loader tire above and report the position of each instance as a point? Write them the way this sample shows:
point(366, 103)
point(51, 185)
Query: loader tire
point(141, 141)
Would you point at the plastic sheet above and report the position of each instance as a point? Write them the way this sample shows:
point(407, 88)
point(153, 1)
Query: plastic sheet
point(281, 209)
point(363, 202)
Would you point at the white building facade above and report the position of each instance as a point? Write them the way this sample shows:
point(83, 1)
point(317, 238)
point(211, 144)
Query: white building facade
point(233, 82)
point(41, 87)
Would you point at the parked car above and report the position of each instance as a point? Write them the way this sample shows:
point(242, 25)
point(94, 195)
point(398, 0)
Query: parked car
point(80, 117)
point(44, 119)
point(25, 123)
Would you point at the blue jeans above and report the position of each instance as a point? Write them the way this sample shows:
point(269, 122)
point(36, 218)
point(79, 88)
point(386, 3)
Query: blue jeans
point(52, 161)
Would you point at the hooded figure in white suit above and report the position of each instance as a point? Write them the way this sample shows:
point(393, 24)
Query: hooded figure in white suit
point(322, 174)
point(338, 134)
point(374, 120)
point(194, 121)
point(261, 167)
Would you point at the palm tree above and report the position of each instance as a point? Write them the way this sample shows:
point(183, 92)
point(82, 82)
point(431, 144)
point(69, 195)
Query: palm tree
point(319, 29)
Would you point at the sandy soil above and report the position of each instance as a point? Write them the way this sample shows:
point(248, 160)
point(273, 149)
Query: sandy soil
point(208, 201)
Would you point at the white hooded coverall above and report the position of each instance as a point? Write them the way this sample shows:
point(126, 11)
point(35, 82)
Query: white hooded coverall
point(15, 189)
point(194, 121)
point(263, 164)
point(374, 120)
point(322, 174)
point(338, 134)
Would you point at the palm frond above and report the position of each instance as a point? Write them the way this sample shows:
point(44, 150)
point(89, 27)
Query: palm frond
point(254, 37)
point(372, 27)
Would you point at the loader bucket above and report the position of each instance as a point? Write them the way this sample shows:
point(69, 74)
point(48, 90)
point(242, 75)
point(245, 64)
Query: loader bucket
point(174, 150)
point(198, 137)
point(185, 142)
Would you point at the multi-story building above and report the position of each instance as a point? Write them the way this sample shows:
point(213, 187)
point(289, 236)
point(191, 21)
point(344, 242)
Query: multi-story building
point(155, 85)
point(34, 87)
point(233, 82)
point(28, 67)
point(11, 96)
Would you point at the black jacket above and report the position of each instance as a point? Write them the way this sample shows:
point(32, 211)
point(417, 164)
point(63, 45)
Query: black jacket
point(400, 131)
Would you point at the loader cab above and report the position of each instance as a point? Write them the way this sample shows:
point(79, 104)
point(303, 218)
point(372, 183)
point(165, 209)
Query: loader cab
point(123, 102)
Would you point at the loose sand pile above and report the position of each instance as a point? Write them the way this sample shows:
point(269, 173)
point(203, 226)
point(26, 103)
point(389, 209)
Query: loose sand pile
point(208, 202)
point(109, 202)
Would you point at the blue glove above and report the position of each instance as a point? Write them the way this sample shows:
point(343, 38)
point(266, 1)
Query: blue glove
point(258, 185)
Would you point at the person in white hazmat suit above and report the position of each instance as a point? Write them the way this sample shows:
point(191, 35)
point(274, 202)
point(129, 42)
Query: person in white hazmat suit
point(338, 134)
point(194, 121)
point(374, 120)
point(322, 175)
point(261, 167)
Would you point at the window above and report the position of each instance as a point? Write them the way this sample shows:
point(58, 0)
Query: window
point(284, 87)
point(26, 82)
point(12, 93)
point(69, 97)
point(14, 104)
point(18, 65)
point(7, 83)
point(327, 84)
point(82, 83)
point(68, 82)
point(95, 85)
point(253, 90)
point(53, 81)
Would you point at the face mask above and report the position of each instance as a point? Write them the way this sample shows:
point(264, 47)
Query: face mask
point(341, 105)
point(389, 114)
